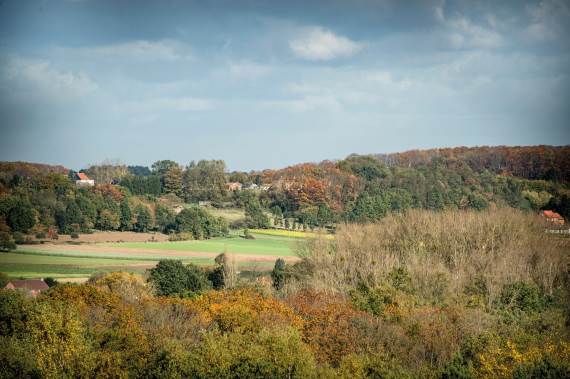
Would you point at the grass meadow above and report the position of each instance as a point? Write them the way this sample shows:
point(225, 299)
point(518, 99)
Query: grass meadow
point(81, 261)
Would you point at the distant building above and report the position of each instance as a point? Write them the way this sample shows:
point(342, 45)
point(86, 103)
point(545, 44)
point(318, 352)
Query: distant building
point(234, 186)
point(553, 217)
point(31, 287)
point(251, 186)
point(82, 180)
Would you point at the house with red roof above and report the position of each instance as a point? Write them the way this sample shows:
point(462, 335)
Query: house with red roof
point(31, 287)
point(552, 217)
point(82, 180)
point(234, 186)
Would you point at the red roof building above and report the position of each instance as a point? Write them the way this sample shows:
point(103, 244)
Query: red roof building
point(553, 217)
point(32, 287)
point(83, 180)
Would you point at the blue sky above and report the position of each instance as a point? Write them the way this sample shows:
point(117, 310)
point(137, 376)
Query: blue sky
point(266, 84)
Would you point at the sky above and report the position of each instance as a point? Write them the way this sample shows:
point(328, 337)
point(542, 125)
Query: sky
point(267, 84)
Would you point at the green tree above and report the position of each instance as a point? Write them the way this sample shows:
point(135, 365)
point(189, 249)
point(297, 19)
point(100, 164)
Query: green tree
point(143, 218)
point(165, 218)
point(279, 274)
point(108, 220)
point(21, 217)
point(200, 223)
point(254, 215)
point(7, 242)
point(369, 208)
point(126, 218)
point(171, 277)
point(537, 199)
point(172, 181)
point(161, 167)
point(205, 180)
point(435, 199)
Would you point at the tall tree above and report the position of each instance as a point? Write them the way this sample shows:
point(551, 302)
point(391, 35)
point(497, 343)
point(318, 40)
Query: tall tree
point(205, 180)
point(143, 218)
point(126, 218)
point(172, 181)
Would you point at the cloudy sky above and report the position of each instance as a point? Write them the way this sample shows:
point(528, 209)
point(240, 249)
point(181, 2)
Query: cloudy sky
point(270, 83)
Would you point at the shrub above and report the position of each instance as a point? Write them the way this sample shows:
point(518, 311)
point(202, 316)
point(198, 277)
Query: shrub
point(496, 247)
point(238, 224)
point(19, 238)
point(7, 242)
point(171, 277)
point(524, 297)
point(173, 237)
point(50, 281)
point(40, 235)
point(279, 274)
point(74, 235)
point(247, 235)
point(200, 223)
point(545, 368)
point(457, 368)
point(271, 353)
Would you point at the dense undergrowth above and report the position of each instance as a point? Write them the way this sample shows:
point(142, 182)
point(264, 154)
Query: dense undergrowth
point(422, 295)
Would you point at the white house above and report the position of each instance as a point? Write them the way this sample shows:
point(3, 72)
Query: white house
point(84, 181)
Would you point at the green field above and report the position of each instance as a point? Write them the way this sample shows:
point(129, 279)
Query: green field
point(262, 245)
point(230, 214)
point(35, 261)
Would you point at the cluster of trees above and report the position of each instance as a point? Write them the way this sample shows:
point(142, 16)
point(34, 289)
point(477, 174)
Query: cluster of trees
point(46, 204)
point(405, 298)
point(526, 162)
point(357, 189)
point(365, 188)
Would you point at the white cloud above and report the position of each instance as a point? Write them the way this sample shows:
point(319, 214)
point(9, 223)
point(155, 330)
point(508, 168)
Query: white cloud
point(463, 33)
point(318, 44)
point(547, 19)
point(163, 50)
point(304, 104)
point(177, 104)
point(248, 70)
point(468, 34)
point(38, 77)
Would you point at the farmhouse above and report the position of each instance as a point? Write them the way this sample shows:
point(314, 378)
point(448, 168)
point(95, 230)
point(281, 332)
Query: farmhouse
point(552, 217)
point(82, 180)
point(234, 186)
point(31, 287)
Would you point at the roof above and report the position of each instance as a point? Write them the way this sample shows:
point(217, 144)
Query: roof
point(551, 214)
point(30, 284)
point(82, 176)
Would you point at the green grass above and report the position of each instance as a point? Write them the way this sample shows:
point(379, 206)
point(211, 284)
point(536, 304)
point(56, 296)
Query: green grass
point(259, 246)
point(230, 214)
point(289, 233)
point(25, 257)
point(33, 262)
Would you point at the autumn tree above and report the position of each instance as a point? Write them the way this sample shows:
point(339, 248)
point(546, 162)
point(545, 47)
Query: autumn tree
point(205, 180)
point(172, 180)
